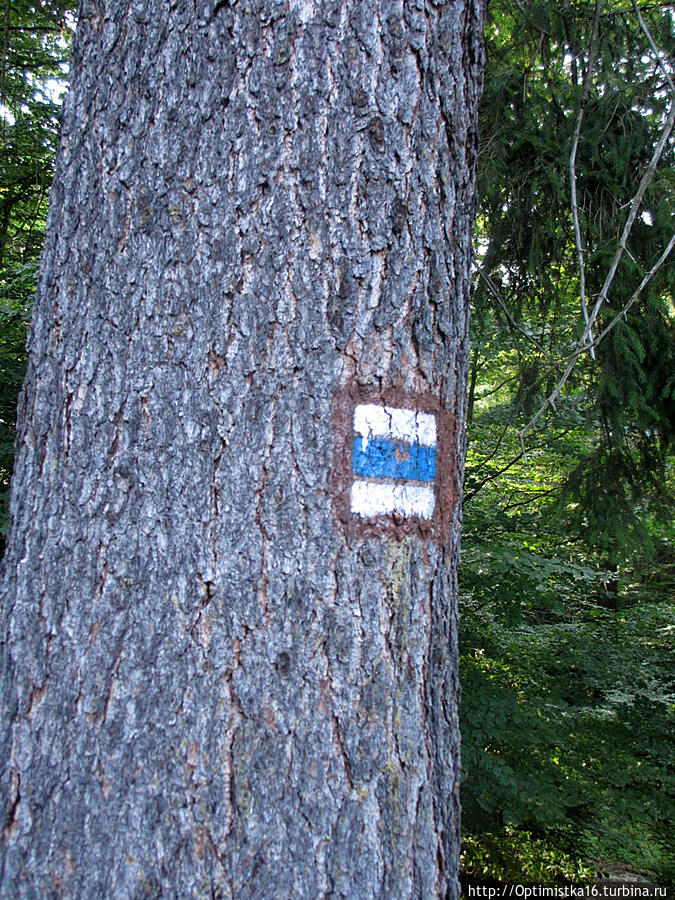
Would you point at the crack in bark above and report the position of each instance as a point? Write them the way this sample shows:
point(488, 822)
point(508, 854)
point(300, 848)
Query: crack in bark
point(35, 697)
point(264, 577)
point(12, 822)
point(237, 715)
point(339, 743)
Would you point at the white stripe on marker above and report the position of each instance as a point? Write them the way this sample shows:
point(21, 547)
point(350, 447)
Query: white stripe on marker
point(371, 498)
point(397, 424)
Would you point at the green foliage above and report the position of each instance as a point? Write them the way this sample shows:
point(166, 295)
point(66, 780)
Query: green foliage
point(567, 706)
point(564, 726)
point(13, 327)
point(34, 66)
point(514, 855)
point(568, 566)
point(537, 58)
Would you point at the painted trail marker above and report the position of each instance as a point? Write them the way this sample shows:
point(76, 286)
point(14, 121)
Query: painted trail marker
point(393, 462)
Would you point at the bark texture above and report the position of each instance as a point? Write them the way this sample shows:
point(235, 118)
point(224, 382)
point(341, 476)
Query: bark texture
point(210, 686)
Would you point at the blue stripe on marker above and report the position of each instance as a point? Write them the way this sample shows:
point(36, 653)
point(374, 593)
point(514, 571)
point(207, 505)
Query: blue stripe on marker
point(381, 458)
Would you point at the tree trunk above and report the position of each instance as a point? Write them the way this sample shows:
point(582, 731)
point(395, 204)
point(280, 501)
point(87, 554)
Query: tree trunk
point(221, 677)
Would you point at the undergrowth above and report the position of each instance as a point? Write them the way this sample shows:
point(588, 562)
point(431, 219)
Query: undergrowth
point(568, 710)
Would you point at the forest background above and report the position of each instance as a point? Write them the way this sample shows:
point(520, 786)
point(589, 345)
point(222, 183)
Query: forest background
point(568, 563)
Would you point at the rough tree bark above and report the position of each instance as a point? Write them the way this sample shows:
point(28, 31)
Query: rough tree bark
point(217, 680)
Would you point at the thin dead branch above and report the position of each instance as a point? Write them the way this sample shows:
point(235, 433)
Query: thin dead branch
point(655, 51)
point(494, 290)
point(585, 95)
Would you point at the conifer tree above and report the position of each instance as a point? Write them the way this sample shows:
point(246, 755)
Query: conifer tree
point(549, 70)
point(229, 598)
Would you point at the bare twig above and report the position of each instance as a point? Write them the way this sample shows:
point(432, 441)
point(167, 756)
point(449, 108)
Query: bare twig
point(494, 290)
point(586, 92)
point(495, 449)
point(495, 389)
point(56, 29)
point(650, 40)
point(536, 495)
point(470, 494)
point(3, 72)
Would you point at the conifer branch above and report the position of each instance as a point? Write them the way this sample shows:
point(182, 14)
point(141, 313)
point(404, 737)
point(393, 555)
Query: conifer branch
point(586, 92)
point(584, 344)
point(635, 204)
point(655, 51)
point(647, 278)
point(583, 347)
